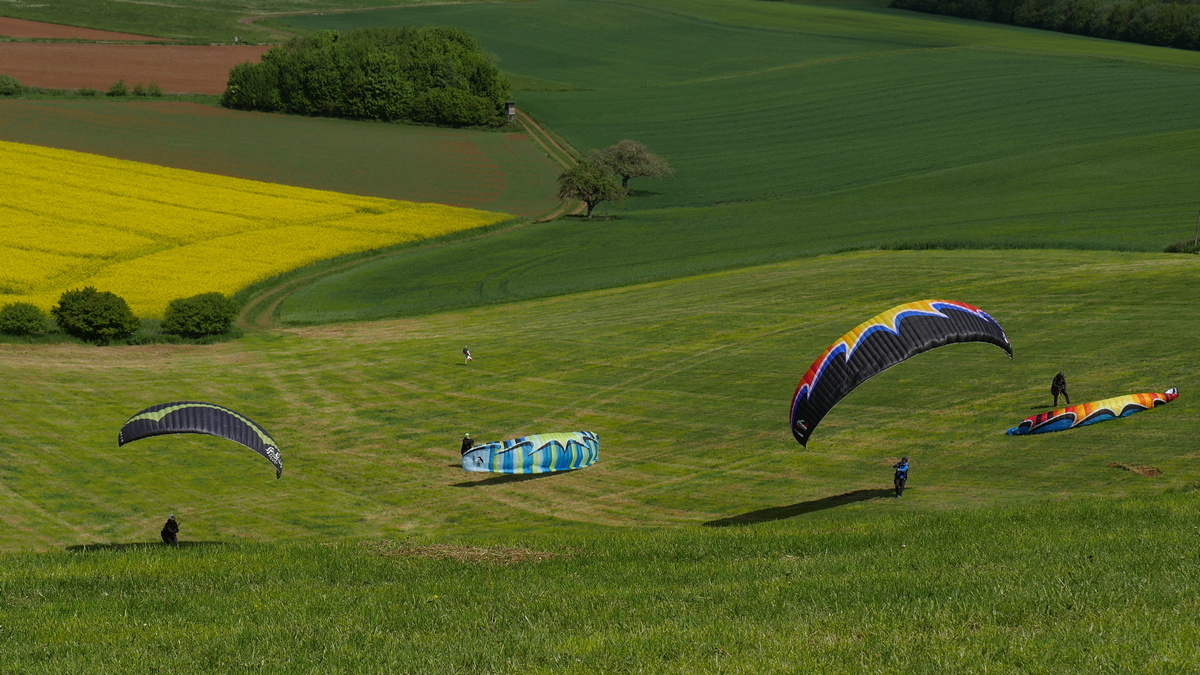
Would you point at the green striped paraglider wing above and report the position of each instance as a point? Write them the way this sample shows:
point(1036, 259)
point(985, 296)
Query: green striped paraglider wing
point(194, 417)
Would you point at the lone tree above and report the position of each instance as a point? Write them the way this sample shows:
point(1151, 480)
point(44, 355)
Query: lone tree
point(630, 159)
point(590, 181)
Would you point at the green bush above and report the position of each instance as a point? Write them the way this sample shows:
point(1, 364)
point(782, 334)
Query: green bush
point(84, 91)
point(139, 89)
point(200, 315)
point(94, 316)
point(9, 86)
point(1185, 246)
point(22, 318)
point(153, 89)
point(118, 88)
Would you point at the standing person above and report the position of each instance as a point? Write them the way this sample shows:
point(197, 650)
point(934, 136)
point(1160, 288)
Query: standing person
point(901, 478)
point(466, 355)
point(467, 443)
point(1059, 386)
point(170, 531)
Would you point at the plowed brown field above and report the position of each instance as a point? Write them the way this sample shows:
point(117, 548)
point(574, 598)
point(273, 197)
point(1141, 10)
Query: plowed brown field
point(177, 69)
point(20, 28)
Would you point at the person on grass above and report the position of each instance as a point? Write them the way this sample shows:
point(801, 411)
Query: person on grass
point(170, 531)
point(1059, 386)
point(467, 443)
point(901, 477)
point(466, 355)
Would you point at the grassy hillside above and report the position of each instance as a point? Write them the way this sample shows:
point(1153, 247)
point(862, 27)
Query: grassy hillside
point(800, 129)
point(375, 553)
point(686, 382)
point(1083, 585)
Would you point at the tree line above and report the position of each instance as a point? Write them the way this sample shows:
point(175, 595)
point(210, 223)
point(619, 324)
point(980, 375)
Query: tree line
point(1165, 24)
point(103, 317)
point(428, 75)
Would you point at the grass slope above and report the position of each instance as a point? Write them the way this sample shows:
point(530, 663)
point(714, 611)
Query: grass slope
point(686, 383)
point(1095, 586)
point(375, 553)
point(800, 129)
point(495, 171)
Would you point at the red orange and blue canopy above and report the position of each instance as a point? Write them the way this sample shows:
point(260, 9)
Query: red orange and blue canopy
point(880, 343)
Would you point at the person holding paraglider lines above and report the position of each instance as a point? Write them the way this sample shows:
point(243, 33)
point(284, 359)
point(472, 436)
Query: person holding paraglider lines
point(901, 476)
point(170, 531)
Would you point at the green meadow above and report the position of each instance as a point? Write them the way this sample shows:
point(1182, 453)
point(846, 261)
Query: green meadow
point(705, 538)
point(687, 382)
point(831, 161)
point(797, 130)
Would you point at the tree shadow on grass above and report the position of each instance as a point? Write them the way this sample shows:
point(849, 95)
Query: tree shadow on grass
point(634, 192)
point(85, 548)
point(506, 478)
point(784, 512)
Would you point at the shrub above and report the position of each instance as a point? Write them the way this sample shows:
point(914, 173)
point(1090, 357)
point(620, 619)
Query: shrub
point(84, 91)
point(9, 86)
point(139, 89)
point(153, 89)
point(95, 316)
point(1185, 246)
point(200, 315)
point(22, 318)
point(118, 88)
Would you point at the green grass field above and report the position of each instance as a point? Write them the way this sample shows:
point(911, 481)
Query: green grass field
point(192, 20)
point(806, 138)
point(1018, 553)
point(687, 383)
point(797, 130)
point(1093, 586)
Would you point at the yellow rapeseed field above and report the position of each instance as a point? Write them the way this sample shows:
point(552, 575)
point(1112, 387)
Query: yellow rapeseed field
point(152, 234)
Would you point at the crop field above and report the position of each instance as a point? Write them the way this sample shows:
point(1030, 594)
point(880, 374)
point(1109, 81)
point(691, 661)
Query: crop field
point(203, 21)
point(20, 28)
point(803, 129)
point(503, 171)
point(178, 69)
point(152, 234)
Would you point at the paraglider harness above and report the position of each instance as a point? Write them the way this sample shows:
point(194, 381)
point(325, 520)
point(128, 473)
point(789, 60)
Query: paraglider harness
point(901, 478)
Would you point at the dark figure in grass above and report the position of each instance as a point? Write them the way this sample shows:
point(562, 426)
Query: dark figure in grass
point(1059, 386)
point(170, 531)
point(901, 478)
point(467, 443)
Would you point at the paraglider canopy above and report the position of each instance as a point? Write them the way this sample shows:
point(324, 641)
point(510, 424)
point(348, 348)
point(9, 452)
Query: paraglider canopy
point(194, 417)
point(880, 343)
point(1083, 414)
